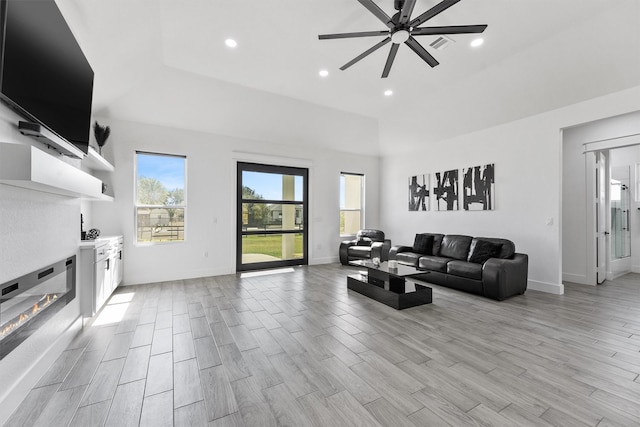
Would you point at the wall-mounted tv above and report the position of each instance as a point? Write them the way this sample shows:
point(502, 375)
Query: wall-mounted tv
point(44, 74)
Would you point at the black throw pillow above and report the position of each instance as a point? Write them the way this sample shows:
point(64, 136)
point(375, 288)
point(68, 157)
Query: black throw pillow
point(483, 250)
point(364, 241)
point(423, 244)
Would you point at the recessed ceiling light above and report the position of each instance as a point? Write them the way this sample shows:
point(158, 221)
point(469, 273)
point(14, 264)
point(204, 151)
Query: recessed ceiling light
point(388, 92)
point(477, 42)
point(231, 43)
point(323, 73)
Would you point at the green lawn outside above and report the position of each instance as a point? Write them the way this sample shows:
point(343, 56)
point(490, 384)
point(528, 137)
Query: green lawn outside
point(269, 244)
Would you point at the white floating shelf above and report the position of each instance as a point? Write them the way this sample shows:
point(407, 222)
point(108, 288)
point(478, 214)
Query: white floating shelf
point(28, 167)
point(96, 162)
point(105, 198)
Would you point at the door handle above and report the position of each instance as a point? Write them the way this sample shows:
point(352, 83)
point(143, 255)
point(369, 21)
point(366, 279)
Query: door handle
point(606, 233)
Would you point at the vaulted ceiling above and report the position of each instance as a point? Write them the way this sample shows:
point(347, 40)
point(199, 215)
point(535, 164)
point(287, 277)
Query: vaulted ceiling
point(537, 56)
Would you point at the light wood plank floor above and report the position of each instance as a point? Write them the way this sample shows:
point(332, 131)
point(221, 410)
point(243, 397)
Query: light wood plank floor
point(298, 349)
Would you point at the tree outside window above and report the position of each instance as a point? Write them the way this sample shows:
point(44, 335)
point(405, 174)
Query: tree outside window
point(160, 198)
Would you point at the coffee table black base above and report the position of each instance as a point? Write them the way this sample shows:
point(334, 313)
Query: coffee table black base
point(399, 301)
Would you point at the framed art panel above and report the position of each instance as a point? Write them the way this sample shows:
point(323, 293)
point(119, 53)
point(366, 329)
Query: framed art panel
point(419, 192)
point(478, 188)
point(446, 190)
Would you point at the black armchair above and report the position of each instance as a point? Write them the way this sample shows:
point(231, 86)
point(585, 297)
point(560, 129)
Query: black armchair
point(368, 244)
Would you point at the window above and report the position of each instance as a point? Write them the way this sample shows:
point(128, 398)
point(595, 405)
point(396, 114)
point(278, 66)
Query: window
point(351, 203)
point(272, 216)
point(160, 194)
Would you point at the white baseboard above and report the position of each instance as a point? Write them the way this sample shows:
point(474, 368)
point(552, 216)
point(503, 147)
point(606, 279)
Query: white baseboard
point(551, 288)
point(613, 275)
point(194, 274)
point(574, 278)
point(635, 268)
point(326, 260)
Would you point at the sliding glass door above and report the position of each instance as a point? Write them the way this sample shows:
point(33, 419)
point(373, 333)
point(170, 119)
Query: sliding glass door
point(271, 216)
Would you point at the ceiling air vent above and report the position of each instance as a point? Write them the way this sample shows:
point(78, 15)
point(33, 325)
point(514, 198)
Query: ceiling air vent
point(441, 43)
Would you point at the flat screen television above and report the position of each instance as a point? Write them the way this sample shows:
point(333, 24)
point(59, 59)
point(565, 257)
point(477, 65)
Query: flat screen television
point(44, 74)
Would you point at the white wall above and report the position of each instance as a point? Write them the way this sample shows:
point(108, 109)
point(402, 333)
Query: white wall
point(527, 157)
point(578, 251)
point(211, 175)
point(36, 229)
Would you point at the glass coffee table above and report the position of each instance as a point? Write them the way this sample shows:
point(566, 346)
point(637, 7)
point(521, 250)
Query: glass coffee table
point(388, 285)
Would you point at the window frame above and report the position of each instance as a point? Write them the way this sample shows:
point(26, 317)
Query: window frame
point(362, 201)
point(136, 206)
point(246, 166)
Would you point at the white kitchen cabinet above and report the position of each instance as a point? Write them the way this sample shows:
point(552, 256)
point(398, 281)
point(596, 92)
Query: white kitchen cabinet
point(101, 269)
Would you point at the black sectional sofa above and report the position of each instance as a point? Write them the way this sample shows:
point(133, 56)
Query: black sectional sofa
point(480, 265)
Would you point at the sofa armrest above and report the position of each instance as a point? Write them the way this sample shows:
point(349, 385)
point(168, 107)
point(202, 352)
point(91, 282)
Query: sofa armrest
point(397, 249)
point(344, 251)
point(377, 250)
point(386, 247)
point(502, 278)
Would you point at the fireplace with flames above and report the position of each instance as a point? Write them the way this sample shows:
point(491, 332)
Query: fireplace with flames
point(29, 301)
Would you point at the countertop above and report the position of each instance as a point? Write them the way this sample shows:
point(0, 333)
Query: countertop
point(100, 241)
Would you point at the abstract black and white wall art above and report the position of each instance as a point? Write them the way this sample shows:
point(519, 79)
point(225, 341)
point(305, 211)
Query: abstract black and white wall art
point(446, 190)
point(419, 192)
point(478, 188)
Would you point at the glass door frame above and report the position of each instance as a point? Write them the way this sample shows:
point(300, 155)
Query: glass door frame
point(240, 231)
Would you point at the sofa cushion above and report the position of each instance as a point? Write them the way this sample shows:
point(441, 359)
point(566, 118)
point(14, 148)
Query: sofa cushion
point(466, 269)
point(434, 263)
point(482, 250)
point(455, 246)
point(423, 244)
point(359, 251)
point(437, 242)
point(508, 247)
point(408, 258)
point(363, 241)
point(375, 235)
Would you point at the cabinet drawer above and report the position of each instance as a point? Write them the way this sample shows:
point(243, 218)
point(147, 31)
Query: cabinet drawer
point(101, 253)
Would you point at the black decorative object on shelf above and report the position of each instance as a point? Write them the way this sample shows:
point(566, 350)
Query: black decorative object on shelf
point(93, 234)
point(83, 234)
point(102, 134)
point(402, 29)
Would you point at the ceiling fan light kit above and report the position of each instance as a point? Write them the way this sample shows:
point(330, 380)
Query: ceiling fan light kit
point(402, 29)
point(400, 36)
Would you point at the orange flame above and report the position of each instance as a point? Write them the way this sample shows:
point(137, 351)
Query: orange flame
point(23, 317)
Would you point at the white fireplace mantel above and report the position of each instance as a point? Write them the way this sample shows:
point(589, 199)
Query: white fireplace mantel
point(26, 166)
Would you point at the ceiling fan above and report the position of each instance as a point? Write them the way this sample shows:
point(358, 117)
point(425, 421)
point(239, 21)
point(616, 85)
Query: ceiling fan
point(402, 29)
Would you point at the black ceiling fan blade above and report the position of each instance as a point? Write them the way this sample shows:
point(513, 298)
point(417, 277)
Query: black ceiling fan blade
point(379, 13)
point(390, 58)
point(435, 10)
point(405, 13)
point(450, 29)
point(422, 52)
point(350, 35)
point(365, 53)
